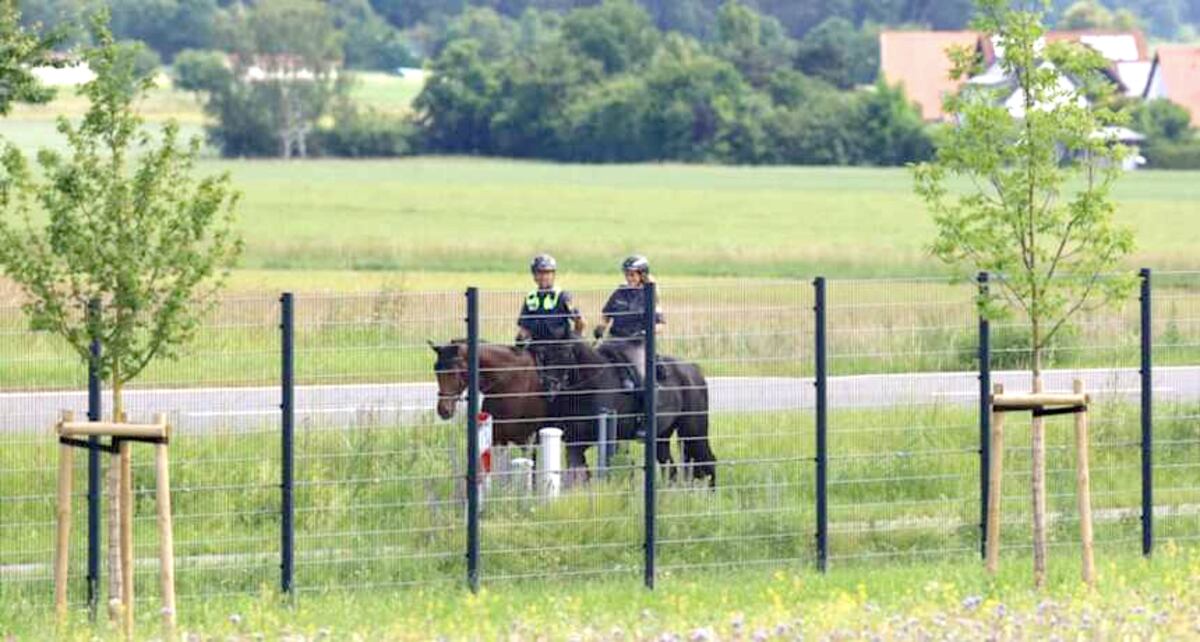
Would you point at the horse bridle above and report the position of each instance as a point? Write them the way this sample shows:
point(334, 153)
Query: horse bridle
point(462, 379)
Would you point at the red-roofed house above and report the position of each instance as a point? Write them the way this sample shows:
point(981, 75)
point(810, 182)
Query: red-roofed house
point(1175, 75)
point(917, 60)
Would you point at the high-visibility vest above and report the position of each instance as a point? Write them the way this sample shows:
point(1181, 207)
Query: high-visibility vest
point(547, 303)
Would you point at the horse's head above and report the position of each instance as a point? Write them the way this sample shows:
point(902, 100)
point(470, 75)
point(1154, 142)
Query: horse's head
point(451, 371)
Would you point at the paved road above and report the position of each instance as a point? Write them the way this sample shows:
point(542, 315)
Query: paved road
point(210, 409)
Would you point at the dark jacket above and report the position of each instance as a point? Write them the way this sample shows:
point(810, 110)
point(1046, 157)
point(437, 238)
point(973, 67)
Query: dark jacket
point(627, 309)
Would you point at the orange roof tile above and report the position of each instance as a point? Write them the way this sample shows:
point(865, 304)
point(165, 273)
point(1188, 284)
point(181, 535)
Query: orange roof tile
point(1177, 67)
point(917, 60)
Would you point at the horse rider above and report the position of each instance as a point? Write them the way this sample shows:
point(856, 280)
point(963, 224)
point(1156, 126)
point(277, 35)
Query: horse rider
point(549, 325)
point(624, 317)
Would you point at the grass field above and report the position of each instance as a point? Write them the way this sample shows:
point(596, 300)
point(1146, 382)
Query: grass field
point(480, 218)
point(1134, 599)
point(455, 222)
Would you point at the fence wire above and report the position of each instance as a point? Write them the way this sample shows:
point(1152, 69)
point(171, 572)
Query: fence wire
point(1176, 452)
point(584, 521)
point(39, 377)
point(754, 342)
point(379, 493)
point(903, 456)
point(222, 398)
point(1100, 347)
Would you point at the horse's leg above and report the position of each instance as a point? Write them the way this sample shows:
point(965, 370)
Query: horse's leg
point(697, 453)
point(663, 453)
point(577, 467)
point(693, 427)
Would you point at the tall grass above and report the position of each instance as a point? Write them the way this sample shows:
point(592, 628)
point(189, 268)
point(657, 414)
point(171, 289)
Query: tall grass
point(384, 506)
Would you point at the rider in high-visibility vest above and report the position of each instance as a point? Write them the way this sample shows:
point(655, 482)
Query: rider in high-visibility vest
point(624, 316)
point(549, 325)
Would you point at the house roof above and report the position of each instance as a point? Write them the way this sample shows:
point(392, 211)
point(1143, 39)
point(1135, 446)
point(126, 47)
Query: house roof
point(1134, 76)
point(917, 60)
point(1175, 75)
point(1116, 46)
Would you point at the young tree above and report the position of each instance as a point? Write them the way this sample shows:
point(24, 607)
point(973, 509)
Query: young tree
point(118, 219)
point(19, 50)
point(1039, 212)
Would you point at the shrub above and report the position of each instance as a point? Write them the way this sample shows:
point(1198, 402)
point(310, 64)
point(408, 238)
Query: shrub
point(369, 134)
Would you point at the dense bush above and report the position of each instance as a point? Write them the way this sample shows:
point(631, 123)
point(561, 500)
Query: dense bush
point(1171, 141)
point(1173, 155)
point(607, 86)
point(356, 134)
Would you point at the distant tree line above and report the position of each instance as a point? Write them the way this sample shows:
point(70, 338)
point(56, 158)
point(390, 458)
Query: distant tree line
point(385, 34)
point(605, 84)
point(734, 81)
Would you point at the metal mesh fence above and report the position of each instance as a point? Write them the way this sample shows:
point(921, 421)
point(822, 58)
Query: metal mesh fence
point(903, 447)
point(222, 398)
point(580, 522)
point(1100, 348)
point(379, 476)
point(1176, 452)
point(39, 377)
point(754, 342)
point(379, 493)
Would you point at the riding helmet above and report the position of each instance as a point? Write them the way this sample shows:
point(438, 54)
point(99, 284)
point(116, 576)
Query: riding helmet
point(636, 263)
point(543, 263)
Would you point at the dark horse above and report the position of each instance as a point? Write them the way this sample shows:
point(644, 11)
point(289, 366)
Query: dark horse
point(513, 395)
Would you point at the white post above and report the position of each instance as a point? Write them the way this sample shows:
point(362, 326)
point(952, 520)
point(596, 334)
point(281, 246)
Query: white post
point(550, 462)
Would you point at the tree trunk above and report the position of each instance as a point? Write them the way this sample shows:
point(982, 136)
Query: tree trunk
point(113, 490)
point(1038, 461)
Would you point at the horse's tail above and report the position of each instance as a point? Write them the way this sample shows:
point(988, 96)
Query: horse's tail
point(698, 456)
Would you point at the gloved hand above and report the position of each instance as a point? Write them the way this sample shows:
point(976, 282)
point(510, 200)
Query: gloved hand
point(598, 332)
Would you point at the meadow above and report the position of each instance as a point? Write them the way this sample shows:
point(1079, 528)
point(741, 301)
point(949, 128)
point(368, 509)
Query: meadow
point(445, 223)
point(475, 217)
point(1135, 599)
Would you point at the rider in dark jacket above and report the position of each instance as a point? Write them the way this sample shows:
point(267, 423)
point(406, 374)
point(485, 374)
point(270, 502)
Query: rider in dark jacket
point(624, 317)
point(549, 325)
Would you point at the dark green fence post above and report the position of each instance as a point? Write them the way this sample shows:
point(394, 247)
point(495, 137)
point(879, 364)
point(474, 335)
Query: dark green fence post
point(650, 409)
point(1147, 372)
point(95, 413)
point(985, 414)
point(287, 414)
point(822, 401)
point(473, 439)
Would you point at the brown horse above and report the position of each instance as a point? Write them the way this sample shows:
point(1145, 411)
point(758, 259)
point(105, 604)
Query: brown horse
point(514, 396)
point(508, 379)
